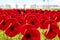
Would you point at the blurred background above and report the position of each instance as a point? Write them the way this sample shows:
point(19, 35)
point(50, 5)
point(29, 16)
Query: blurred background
point(29, 3)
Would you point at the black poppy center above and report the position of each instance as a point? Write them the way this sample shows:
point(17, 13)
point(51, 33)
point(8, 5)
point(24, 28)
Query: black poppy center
point(23, 11)
point(3, 23)
point(42, 12)
point(11, 27)
point(50, 29)
point(28, 36)
point(20, 22)
point(31, 12)
point(32, 22)
point(19, 11)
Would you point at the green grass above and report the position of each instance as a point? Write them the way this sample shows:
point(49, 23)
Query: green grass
point(4, 37)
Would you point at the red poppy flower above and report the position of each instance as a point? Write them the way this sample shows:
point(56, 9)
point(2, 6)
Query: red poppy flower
point(44, 25)
point(52, 28)
point(42, 19)
point(39, 13)
point(26, 26)
point(3, 20)
point(3, 17)
point(31, 34)
point(56, 16)
point(32, 19)
point(2, 12)
point(13, 28)
point(50, 35)
point(12, 13)
point(21, 20)
point(43, 12)
point(3, 25)
point(47, 13)
point(53, 25)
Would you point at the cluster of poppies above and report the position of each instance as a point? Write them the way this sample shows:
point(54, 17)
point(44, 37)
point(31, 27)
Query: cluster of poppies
point(26, 22)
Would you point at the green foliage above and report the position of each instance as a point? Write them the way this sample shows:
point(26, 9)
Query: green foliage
point(5, 37)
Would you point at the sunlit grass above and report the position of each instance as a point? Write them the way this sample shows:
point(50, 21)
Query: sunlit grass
point(5, 37)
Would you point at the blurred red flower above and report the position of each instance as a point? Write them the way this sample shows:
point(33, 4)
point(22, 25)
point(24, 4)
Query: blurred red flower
point(11, 13)
point(33, 20)
point(13, 28)
point(3, 20)
point(52, 29)
point(31, 34)
point(21, 20)
point(42, 19)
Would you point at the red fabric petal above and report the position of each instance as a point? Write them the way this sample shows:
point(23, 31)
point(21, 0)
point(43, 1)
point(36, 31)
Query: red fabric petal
point(32, 19)
point(31, 34)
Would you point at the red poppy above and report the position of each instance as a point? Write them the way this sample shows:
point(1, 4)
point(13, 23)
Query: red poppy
point(54, 24)
point(12, 13)
point(39, 13)
point(2, 12)
point(3, 20)
point(47, 13)
point(3, 17)
point(42, 19)
point(31, 34)
point(13, 28)
point(44, 24)
point(21, 20)
point(52, 28)
point(3, 25)
point(33, 20)
point(56, 16)
point(26, 26)
point(50, 35)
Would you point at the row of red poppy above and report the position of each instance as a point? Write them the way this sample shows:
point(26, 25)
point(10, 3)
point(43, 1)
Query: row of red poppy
point(15, 21)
